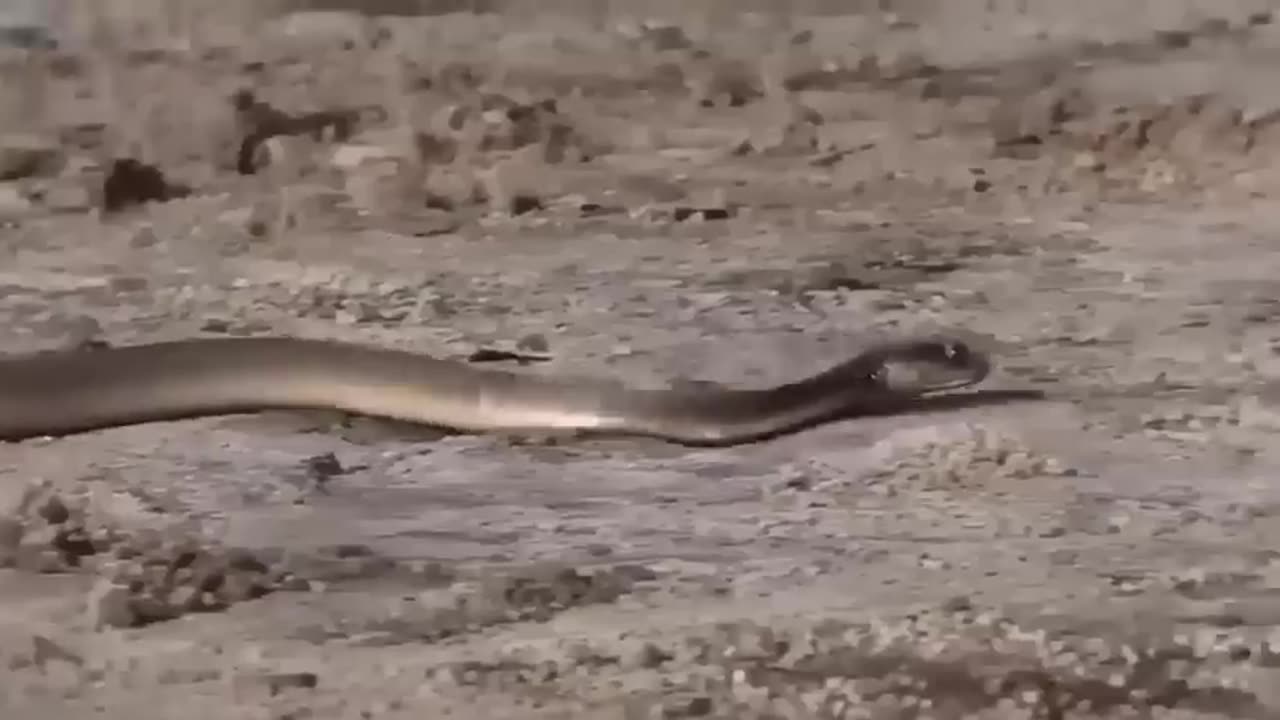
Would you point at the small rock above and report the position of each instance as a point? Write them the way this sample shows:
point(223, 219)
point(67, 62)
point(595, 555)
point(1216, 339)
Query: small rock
point(131, 182)
point(909, 64)
point(43, 650)
point(110, 606)
point(533, 343)
point(1088, 161)
point(1031, 120)
point(186, 599)
point(74, 544)
point(278, 682)
point(662, 37)
point(207, 576)
point(1212, 126)
point(507, 192)
point(722, 84)
point(24, 156)
point(350, 156)
point(685, 213)
point(433, 149)
point(13, 203)
point(323, 467)
point(53, 510)
point(451, 119)
point(644, 654)
point(293, 583)
point(241, 586)
point(144, 237)
point(27, 37)
point(1172, 39)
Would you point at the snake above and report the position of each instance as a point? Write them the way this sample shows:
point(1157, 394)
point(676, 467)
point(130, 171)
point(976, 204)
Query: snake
point(63, 392)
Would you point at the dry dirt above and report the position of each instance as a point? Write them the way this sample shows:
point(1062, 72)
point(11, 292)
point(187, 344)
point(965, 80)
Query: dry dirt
point(1085, 188)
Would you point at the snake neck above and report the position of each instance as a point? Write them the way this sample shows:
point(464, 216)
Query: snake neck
point(723, 417)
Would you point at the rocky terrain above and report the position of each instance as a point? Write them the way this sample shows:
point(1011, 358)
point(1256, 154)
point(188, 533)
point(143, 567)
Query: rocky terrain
point(662, 193)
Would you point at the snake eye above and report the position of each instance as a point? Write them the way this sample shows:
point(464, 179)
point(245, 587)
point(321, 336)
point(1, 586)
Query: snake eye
point(956, 353)
point(879, 376)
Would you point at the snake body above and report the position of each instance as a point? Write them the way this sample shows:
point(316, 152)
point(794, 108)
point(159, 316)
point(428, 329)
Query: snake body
point(64, 392)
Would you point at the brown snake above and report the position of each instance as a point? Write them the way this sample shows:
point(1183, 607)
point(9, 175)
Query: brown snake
point(64, 392)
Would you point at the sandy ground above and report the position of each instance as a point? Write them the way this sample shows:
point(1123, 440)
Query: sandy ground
point(1088, 192)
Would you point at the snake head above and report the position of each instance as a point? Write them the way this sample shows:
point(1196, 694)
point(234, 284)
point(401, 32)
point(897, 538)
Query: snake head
point(929, 365)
